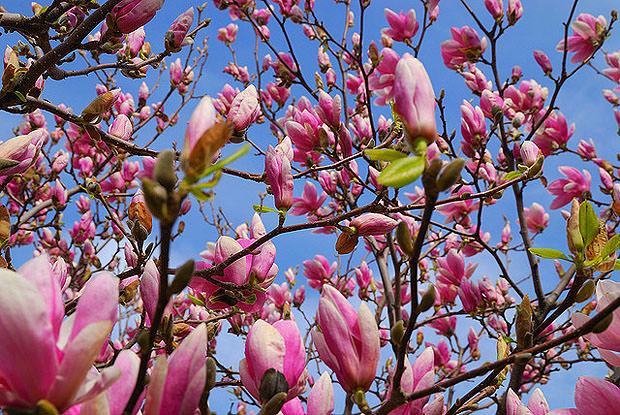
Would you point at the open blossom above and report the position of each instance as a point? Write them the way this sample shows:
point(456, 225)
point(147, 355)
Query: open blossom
point(573, 186)
point(607, 342)
point(278, 173)
point(473, 129)
point(274, 346)
point(588, 33)
point(347, 341)
point(554, 133)
point(593, 396)
point(228, 34)
point(465, 46)
point(129, 15)
point(417, 377)
point(309, 202)
point(613, 72)
point(402, 26)
point(536, 219)
point(414, 99)
point(451, 271)
point(176, 383)
point(381, 81)
point(33, 315)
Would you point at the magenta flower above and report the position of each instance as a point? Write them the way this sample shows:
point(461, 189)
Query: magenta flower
point(178, 30)
point(321, 397)
point(129, 15)
point(536, 219)
point(529, 153)
point(543, 61)
point(244, 109)
point(22, 149)
point(495, 8)
point(537, 404)
point(554, 133)
point(452, 271)
point(347, 341)
point(373, 224)
point(202, 119)
point(381, 81)
point(473, 129)
point(228, 34)
point(416, 377)
point(121, 127)
point(309, 202)
point(588, 33)
point(465, 46)
point(318, 271)
point(613, 72)
point(279, 174)
point(414, 99)
point(607, 342)
point(593, 396)
point(573, 186)
point(278, 346)
point(515, 11)
point(178, 382)
point(402, 26)
point(32, 344)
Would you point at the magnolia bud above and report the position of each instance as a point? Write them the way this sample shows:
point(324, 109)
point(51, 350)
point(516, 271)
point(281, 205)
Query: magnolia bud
point(524, 323)
point(182, 276)
point(155, 196)
point(586, 291)
point(429, 178)
point(403, 236)
point(211, 372)
point(272, 384)
point(99, 106)
point(45, 407)
point(427, 301)
point(450, 174)
point(573, 235)
point(604, 324)
point(397, 332)
point(164, 169)
point(5, 225)
point(274, 405)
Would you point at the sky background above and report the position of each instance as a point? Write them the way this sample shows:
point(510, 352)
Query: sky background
point(540, 28)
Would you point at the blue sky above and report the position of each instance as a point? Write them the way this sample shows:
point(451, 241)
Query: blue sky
point(540, 28)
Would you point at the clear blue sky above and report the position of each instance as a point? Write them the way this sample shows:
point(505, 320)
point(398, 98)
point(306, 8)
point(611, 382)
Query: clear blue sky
point(540, 28)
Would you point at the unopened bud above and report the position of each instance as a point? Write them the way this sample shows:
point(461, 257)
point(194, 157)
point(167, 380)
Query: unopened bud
point(450, 174)
point(155, 196)
point(397, 332)
point(45, 407)
point(429, 177)
point(604, 324)
point(164, 170)
point(274, 405)
point(182, 276)
point(586, 291)
point(524, 323)
point(428, 300)
point(272, 384)
point(99, 106)
point(211, 372)
point(573, 235)
point(403, 236)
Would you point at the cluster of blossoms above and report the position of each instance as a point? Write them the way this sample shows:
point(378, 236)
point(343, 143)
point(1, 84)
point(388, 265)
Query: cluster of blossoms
point(130, 285)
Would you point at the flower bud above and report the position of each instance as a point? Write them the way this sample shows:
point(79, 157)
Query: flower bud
point(99, 106)
point(529, 152)
point(272, 383)
point(139, 213)
point(178, 30)
point(404, 238)
point(450, 174)
point(182, 276)
point(427, 301)
point(585, 292)
point(573, 235)
point(164, 170)
point(130, 15)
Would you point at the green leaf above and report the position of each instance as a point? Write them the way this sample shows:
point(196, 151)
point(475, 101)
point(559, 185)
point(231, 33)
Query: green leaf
point(617, 265)
point(384, 154)
point(21, 96)
point(401, 172)
point(225, 161)
point(588, 222)
point(264, 209)
point(611, 246)
point(548, 253)
point(512, 175)
point(196, 300)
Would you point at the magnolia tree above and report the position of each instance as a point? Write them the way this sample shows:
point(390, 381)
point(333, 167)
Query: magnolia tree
point(355, 144)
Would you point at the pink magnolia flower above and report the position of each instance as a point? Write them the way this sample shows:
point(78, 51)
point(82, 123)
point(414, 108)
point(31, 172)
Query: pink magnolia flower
point(309, 202)
point(588, 33)
point(33, 321)
point(373, 224)
point(529, 153)
point(537, 404)
point(244, 109)
point(274, 346)
point(417, 377)
point(321, 397)
point(178, 30)
point(121, 127)
point(495, 7)
point(381, 80)
point(554, 133)
point(613, 72)
point(473, 129)
point(515, 11)
point(278, 173)
point(318, 271)
point(177, 382)
point(465, 46)
point(593, 396)
point(402, 26)
point(414, 99)
point(543, 61)
point(451, 272)
point(574, 185)
point(607, 342)
point(228, 34)
point(129, 15)
point(536, 219)
point(329, 109)
point(347, 341)
point(202, 119)
point(22, 149)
